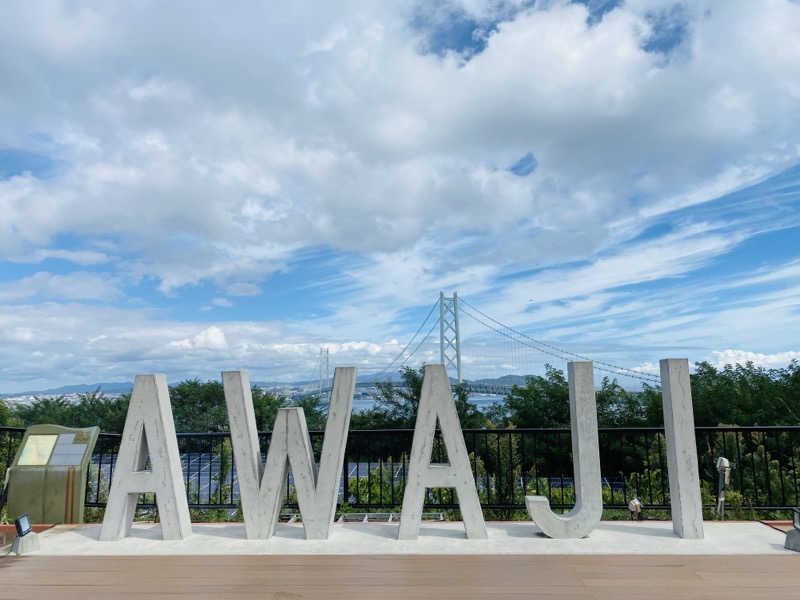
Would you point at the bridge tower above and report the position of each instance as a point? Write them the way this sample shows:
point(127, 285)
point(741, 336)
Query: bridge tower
point(449, 336)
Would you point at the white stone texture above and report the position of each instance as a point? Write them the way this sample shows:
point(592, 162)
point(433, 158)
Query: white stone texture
point(792, 540)
point(684, 475)
point(609, 537)
point(246, 451)
point(149, 431)
point(262, 490)
point(588, 509)
point(436, 402)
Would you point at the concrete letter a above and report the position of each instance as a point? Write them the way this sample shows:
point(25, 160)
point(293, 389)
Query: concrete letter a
point(149, 431)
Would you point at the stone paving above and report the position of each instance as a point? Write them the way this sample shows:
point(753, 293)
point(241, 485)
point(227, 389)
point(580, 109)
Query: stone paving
point(610, 537)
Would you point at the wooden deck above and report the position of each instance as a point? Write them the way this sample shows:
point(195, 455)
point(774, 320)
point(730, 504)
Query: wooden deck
point(401, 577)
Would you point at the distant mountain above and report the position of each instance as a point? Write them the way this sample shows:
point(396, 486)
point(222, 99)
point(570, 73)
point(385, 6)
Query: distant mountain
point(393, 377)
point(505, 380)
point(124, 388)
point(108, 388)
point(274, 384)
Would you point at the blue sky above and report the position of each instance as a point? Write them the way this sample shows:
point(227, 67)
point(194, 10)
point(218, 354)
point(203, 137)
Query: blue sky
point(191, 191)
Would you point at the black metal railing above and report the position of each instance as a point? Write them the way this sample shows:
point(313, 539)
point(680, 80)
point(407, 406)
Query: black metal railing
point(507, 465)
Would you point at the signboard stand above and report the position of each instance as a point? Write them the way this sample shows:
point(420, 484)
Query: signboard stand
point(47, 479)
point(25, 544)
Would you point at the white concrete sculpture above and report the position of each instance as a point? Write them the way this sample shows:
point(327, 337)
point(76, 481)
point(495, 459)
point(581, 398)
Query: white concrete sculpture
point(588, 508)
point(262, 495)
point(436, 402)
point(684, 475)
point(149, 431)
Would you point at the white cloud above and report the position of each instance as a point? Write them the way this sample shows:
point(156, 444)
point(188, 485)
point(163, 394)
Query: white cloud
point(243, 289)
point(269, 130)
point(775, 360)
point(79, 257)
point(329, 41)
point(649, 368)
point(367, 145)
point(52, 343)
point(730, 179)
point(212, 338)
point(73, 286)
point(223, 302)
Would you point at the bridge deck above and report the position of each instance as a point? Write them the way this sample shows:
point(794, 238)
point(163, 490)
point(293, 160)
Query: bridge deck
point(355, 577)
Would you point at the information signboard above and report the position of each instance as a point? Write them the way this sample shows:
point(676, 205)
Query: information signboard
point(48, 476)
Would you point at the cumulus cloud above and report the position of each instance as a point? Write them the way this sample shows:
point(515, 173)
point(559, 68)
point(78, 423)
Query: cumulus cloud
point(370, 145)
point(775, 360)
point(72, 286)
point(649, 368)
point(81, 343)
point(79, 257)
point(217, 157)
point(212, 338)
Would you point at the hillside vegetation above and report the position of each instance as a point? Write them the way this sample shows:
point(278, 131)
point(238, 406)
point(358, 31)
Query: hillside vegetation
point(740, 394)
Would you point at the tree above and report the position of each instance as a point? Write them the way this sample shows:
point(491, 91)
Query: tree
point(198, 406)
point(315, 414)
point(91, 409)
point(735, 394)
point(469, 415)
point(541, 402)
point(6, 416)
point(395, 406)
point(97, 409)
point(618, 407)
point(265, 405)
point(746, 394)
point(653, 409)
point(399, 404)
point(45, 410)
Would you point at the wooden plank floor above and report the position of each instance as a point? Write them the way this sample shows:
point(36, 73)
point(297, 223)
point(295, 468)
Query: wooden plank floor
point(401, 577)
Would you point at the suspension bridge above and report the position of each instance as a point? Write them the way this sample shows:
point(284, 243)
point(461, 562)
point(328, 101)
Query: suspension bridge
point(519, 352)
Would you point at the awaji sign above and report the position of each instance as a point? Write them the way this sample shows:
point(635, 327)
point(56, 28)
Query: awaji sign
point(150, 432)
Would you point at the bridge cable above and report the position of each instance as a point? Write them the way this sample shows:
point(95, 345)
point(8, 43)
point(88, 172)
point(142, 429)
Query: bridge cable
point(411, 341)
point(427, 335)
point(616, 368)
point(558, 353)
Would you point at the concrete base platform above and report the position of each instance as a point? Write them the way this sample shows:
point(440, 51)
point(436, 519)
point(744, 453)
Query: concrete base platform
point(610, 537)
